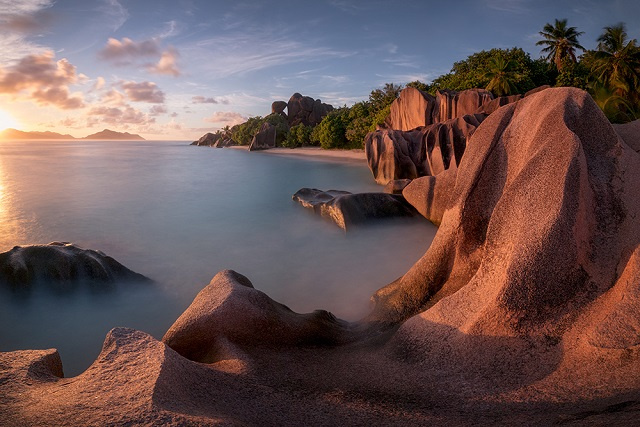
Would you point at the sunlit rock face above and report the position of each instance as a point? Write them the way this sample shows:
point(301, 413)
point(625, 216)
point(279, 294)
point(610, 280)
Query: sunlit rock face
point(348, 210)
point(61, 265)
point(424, 151)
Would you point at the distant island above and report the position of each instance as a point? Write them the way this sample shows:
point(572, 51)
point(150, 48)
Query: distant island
point(105, 134)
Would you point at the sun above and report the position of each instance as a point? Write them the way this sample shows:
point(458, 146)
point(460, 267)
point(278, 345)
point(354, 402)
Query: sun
point(7, 121)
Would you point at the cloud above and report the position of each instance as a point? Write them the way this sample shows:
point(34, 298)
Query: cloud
point(157, 110)
point(115, 13)
point(126, 115)
point(126, 51)
point(202, 100)
point(40, 78)
point(167, 64)
point(226, 118)
point(142, 92)
point(17, 20)
point(510, 6)
point(170, 30)
point(113, 97)
point(99, 84)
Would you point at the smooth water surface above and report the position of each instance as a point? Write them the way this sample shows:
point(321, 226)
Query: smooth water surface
point(179, 214)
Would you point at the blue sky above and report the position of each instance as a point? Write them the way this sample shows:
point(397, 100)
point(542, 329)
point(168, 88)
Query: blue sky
point(175, 69)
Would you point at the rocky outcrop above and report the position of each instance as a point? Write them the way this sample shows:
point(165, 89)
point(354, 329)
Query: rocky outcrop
point(491, 106)
point(396, 186)
point(425, 151)
point(414, 108)
point(61, 265)
point(230, 312)
point(430, 195)
point(306, 110)
point(215, 140)
point(629, 133)
point(347, 210)
point(265, 138)
point(522, 311)
point(277, 107)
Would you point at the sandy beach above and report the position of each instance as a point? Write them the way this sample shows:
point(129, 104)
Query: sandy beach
point(314, 152)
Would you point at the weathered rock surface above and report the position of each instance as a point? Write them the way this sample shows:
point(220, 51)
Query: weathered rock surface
point(630, 134)
point(414, 108)
point(522, 312)
point(265, 138)
point(230, 311)
point(306, 110)
point(491, 106)
point(347, 210)
point(425, 151)
point(396, 186)
point(430, 195)
point(215, 140)
point(61, 265)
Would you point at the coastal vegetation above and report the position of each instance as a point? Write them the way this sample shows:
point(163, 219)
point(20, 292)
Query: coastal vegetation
point(610, 73)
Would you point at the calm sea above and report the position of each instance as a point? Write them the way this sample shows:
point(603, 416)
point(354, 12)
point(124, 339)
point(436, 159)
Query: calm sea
point(179, 214)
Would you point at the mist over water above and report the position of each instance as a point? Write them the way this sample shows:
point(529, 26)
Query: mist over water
point(179, 214)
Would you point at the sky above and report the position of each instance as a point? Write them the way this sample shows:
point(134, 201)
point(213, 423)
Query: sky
point(179, 68)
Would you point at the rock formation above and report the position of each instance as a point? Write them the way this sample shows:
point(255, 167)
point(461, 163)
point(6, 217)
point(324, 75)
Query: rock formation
point(414, 108)
point(61, 265)
point(265, 138)
point(347, 210)
point(306, 110)
point(277, 107)
point(394, 154)
point(491, 106)
point(215, 140)
point(524, 310)
point(630, 134)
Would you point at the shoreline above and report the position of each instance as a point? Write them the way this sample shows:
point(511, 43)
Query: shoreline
point(353, 155)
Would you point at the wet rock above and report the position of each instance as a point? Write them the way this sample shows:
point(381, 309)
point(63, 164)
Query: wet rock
point(61, 265)
point(347, 210)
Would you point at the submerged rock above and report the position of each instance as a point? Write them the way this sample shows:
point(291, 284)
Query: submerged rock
point(346, 209)
point(61, 264)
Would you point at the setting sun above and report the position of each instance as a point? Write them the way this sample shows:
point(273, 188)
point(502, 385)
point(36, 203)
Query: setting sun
point(7, 121)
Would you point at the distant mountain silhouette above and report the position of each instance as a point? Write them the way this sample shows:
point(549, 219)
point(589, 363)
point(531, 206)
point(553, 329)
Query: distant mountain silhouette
point(105, 134)
point(18, 134)
point(110, 134)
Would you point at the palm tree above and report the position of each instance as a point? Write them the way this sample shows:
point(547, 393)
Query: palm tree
point(561, 42)
point(617, 62)
point(502, 76)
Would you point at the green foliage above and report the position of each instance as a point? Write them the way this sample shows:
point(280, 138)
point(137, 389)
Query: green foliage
point(502, 76)
point(244, 132)
point(298, 136)
point(331, 131)
point(560, 42)
point(417, 84)
point(475, 71)
point(573, 74)
point(380, 98)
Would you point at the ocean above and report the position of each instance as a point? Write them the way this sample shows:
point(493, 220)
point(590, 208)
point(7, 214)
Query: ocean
point(179, 214)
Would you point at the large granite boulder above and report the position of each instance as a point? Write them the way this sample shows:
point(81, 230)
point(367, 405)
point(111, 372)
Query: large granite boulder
point(231, 311)
point(265, 138)
point(425, 151)
point(61, 265)
point(306, 110)
point(491, 106)
point(451, 104)
point(347, 210)
point(629, 133)
point(413, 108)
point(430, 195)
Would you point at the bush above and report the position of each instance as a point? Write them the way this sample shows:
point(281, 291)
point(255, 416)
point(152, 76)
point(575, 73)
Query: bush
point(298, 136)
point(331, 131)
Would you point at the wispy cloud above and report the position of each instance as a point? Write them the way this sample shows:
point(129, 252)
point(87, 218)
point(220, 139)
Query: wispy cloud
point(250, 51)
point(128, 52)
point(142, 92)
point(226, 118)
point(115, 13)
point(509, 6)
point(204, 100)
point(18, 19)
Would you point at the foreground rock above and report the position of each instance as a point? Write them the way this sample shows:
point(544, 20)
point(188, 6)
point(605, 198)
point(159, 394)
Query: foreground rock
point(61, 265)
point(522, 312)
point(425, 151)
point(347, 210)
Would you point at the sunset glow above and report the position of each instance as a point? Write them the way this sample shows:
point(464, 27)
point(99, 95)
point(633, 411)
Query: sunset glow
point(7, 121)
